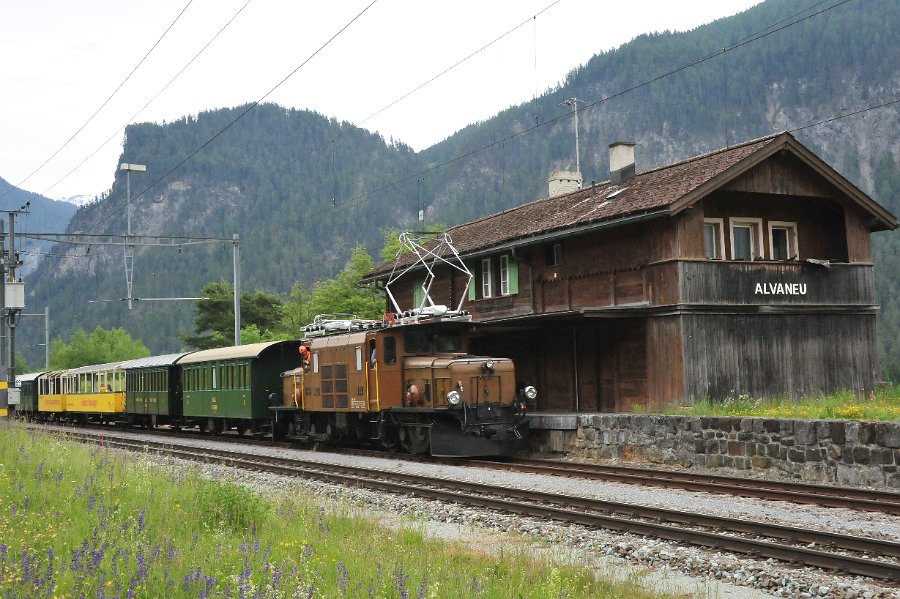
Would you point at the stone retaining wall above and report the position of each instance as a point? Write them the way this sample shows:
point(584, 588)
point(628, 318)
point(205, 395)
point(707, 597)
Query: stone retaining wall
point(845, 452)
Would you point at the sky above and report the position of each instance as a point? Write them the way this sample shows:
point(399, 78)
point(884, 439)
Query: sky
point(64, 60)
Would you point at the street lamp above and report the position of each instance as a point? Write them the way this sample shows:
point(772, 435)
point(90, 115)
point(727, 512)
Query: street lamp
point(129, 249)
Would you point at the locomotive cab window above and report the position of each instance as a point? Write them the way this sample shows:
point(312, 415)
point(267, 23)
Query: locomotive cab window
point(417, 341)
point(390, 350)
point(448, 344)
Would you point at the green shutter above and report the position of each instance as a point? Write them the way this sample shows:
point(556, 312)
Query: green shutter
point(472, 285)
point(418, 293)
point(512, 268)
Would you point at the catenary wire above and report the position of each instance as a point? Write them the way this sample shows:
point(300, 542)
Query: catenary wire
point(240, 116)
point(151, 100)
point(761, 34)
point(103, 105)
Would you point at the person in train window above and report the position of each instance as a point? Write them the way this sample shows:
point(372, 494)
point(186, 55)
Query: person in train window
point(305, 357)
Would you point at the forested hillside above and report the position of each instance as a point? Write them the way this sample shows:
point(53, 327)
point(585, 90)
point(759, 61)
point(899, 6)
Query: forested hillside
point(301, 188)
point(44, 215)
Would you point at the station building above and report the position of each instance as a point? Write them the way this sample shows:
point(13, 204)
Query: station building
point(747, 270)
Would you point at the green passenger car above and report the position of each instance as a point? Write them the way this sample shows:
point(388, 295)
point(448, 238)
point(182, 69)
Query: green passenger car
point(231, 386)
point(153, 390)
point(28, 393)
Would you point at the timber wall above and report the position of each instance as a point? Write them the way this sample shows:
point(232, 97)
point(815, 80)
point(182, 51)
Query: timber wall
point(823, 451)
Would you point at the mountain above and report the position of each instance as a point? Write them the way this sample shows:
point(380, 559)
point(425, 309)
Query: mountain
point(44, 216)
point(80, 200)
point(301, 188)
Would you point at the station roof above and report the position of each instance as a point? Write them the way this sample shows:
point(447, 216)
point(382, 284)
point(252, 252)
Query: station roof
point(663, 191)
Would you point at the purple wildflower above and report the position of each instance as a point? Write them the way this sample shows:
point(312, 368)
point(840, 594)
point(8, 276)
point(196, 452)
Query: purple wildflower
point(97, 557)
point(423, 589)
point(343, 576)
point(400, 578)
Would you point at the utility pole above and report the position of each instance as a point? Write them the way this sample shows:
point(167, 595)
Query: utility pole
point(12, 300)
point(235, 244)
point(129, 248)
point(573, 102)
point(46, 343)
point(4, 378)
point(14, 291)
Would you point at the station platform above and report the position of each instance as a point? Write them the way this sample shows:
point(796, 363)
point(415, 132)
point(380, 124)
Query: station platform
point(553, 421)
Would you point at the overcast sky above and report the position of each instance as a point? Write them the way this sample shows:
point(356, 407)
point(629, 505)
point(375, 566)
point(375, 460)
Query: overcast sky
point(63, 59)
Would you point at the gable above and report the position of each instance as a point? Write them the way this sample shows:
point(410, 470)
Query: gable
point(782, 174)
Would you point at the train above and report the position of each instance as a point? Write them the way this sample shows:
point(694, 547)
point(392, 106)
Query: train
point(398, 383)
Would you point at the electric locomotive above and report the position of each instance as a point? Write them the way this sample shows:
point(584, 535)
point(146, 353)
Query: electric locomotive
point(411, 385)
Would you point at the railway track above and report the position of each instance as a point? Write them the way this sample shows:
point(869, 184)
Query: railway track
point(802, 547)
point(887, 502)
point(823, 495)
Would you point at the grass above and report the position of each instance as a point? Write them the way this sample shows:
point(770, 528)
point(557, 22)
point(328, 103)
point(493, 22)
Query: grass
point(88, 522)
point(882, 404)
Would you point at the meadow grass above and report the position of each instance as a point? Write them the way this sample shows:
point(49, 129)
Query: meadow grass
point(882, 404)
point(77, 521)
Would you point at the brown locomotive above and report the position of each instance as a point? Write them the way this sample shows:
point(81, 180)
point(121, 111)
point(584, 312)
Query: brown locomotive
point(409, 385)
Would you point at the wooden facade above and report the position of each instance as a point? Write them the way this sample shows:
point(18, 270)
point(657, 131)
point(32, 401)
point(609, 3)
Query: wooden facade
point(741, 272)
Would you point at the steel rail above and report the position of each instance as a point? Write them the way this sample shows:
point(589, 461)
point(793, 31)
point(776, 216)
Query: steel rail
point(534, 504)
point(824, 495)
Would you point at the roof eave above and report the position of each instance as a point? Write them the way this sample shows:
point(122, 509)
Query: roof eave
point(520, 242)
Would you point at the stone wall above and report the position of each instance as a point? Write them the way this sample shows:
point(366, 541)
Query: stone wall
point(845, 452)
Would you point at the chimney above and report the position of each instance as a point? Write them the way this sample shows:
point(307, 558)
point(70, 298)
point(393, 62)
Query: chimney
point(561, 182)
point(621, 161)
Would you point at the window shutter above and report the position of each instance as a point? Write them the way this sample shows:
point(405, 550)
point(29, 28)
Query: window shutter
point(418, 293)
point(513, 269)
point(473, 283)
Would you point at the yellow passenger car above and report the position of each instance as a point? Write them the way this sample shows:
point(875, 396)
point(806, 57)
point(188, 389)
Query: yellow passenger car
point(88, 390)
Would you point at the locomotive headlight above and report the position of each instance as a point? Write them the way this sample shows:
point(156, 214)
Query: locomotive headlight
point(453, 398)
point(530, 392)
point(489, 366)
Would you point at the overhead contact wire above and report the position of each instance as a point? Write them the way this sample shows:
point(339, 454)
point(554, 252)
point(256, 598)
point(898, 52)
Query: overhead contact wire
point(105, 102)
point(239, 117)
point(158, 94)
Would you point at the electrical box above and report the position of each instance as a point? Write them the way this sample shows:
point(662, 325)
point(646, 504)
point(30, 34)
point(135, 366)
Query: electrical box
point(15, 295)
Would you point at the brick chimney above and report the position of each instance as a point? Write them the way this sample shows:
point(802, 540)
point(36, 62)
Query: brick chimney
point(561, 182)
point(621, 161)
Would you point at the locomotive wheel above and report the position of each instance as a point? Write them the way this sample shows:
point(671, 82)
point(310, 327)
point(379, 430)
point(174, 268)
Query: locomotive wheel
point(415, 439)
point(241, 428)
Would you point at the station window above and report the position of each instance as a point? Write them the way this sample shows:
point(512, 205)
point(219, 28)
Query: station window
point(486, 278)
point(746, 238)
point(714, 238)
point(509, 276)
point(783, 241)
point(554, 254)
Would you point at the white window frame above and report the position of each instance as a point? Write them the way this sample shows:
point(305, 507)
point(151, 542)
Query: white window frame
point(359, 360)
point(315, 358)
point(557, 254)
point(756, 241)
point(793, 249)
point(504, 274)
point(720, 250)
point(487, 278)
